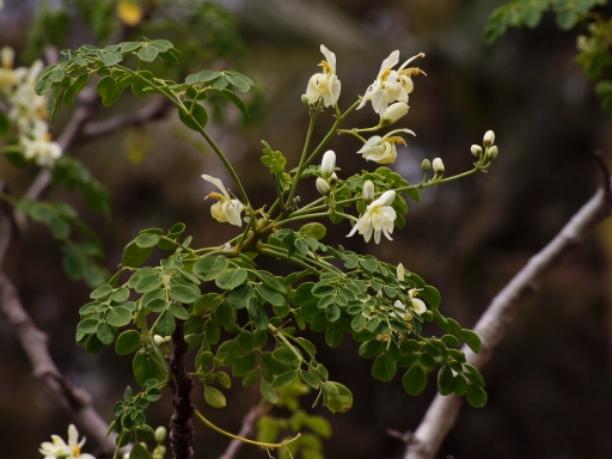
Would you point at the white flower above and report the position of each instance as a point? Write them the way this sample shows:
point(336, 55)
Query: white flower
point(9, 77)
point(226, 209)
point(393, 113)
point(40, 148)
point(383, 150)
point(58, 449)
point(326, 84)
point(328, 164)
point(418, 305)
point(391, 85)
point(367, 192)
point(378, 218)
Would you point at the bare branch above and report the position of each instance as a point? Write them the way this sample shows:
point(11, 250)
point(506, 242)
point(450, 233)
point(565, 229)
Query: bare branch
point(181, 426)
point(34, 342)
point(247, 429)
point(498, 317)
point(155, 110)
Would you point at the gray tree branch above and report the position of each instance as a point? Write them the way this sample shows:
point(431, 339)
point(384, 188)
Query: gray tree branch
point(247, 429)
point(494, 323)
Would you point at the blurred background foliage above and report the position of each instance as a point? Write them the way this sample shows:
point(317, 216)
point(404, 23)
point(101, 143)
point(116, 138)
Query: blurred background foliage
point(549, 383)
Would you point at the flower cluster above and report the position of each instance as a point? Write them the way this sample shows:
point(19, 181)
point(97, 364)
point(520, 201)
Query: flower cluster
point(59, 449)
point(27, 110)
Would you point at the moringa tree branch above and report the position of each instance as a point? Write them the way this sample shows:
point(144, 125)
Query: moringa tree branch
point(494, 323)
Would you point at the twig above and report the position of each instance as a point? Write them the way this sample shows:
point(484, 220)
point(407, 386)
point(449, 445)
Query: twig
point(247, 429)
point(155, 110)
point(181, 427)
point(494, 323)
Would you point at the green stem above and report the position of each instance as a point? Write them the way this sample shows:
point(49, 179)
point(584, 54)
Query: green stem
point(295, 218)
point(296, 177)
point(282, 444)
point(351, 132)
point(294, 260)
point(282, 337)
point(330, 134)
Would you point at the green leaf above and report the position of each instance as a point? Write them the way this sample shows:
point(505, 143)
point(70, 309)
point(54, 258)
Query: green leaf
point(127, 342)
point(476, 396)
point(105, 333)
point(228, 352)
point(208, 268)
point(88, 326)
point(108, 90)
point(267, 392)
point(239, 297)
point(267, 429)
point(284, 379)
point(146, 367)
point(445, 380)
point(415, 380)
point(314, 230)
point(214, 397)
point(258, 315)
point(286, 356)
point(310, 379)
point(148, 53)
point(148, 283)
point(207, 75)
point(384, 368)
point(370, 349)
point(270, 296)
point(139, 452)
point(333, 336)
point(165, 324)
point(206, 303)
point(319, 425)
point(195, 118)
point(146, 240)
point(340, 400)
point(235, 100)
point(244, 364)
point(179, 311)
point(119, 316)
point(134, 256)
point(231, 278)
point(472, 340)
point(238, 80)
point(184, 294)
point(101, 292)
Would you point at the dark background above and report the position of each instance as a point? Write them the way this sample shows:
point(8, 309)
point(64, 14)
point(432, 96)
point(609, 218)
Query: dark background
point(549, 382)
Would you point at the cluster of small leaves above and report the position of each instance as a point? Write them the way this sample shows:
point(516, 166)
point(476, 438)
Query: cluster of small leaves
point(130, 420)
point(271, 429)
point(81, 259)
point(72, 73)
point(276, 162)
point(72, 174)
point(519, 13)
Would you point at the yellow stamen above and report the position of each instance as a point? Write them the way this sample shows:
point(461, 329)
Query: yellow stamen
point(76, 451)
point(214, 194)
point(412, 71)
point(48, 137)
point(326, 67)
point(385, 74)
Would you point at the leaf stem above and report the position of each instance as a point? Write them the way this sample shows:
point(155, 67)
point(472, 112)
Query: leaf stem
point(282, 444)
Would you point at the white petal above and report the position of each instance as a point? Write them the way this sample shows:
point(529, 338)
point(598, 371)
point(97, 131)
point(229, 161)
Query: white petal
point(387, 198)
point(330, 58)
point(218, 183)
point(390, 61)
point(418, 306)
point(370, 143)
point(73, 436)
point(335, 90)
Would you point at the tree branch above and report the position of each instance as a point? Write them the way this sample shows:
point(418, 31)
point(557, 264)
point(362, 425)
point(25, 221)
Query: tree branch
point(247, 429)
point(181, 427)
point(494, 323)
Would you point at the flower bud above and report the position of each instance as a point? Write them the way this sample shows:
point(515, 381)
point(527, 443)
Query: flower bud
point(489, 139)
point(425, 165)
point(476, 150)
point(322, 186)
point(305, 99)
point(7, 56)
point(160, 434)
point(438, 166)
point(328, 164)
point(159, 340)
point(401, 272)
point(333, 179)
point(393, 113)
point(368, 192)
point(492, 152)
